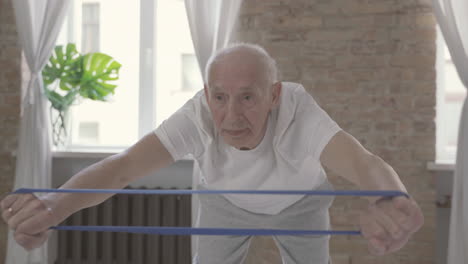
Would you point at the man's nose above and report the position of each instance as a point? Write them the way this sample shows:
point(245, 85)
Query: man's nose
point(234, 109)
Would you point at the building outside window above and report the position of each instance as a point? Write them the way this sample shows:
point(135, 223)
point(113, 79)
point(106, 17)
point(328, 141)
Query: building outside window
point(90, 28)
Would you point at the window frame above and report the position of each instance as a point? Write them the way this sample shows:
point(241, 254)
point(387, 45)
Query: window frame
point(444, 153)
point(147, 88)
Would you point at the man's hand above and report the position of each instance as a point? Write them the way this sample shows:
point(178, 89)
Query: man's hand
point(29, 217)
point(389, 223)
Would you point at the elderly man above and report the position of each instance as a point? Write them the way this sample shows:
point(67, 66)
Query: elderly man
point(245, 130)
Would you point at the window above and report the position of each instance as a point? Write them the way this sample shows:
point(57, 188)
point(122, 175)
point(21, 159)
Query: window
point(450, 96)
point(173, 42)
point(90, 27)
point(191, 75)
point(159, 73)
point(89, 132)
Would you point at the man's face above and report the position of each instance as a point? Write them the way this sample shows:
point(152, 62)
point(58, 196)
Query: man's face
point(240, 98)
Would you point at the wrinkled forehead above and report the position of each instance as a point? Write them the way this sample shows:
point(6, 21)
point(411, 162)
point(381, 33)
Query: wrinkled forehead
point(233, 90)
point(241, 61)
point(242, 74)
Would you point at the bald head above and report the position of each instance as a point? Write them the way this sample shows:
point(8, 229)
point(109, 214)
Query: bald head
point(241, 89)
point(244, 55)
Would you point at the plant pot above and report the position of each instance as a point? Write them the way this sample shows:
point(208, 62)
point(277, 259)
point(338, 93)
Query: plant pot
point(61, 127)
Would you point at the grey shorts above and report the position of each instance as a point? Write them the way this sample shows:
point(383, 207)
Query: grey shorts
point(311, 212)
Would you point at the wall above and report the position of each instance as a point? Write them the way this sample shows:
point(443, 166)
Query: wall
point(10, 82)
point(370, 64)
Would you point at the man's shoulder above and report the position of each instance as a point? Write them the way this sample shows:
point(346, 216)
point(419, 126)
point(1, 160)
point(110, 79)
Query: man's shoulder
point(197, 110)
point(292, 86)
point(296, 104)
point(294, 94)
point(292, 89)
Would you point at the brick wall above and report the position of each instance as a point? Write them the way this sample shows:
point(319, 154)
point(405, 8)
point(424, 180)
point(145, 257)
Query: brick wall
point(10, 81)
point(370, 64)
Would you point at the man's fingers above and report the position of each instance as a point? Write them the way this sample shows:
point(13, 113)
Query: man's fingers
point(21, 201)
point(10, 205)
point(376, 247)
point(387, 221)
point(31, 209)
point(397, 245)
point(369, 228)
point(40, 222)
point(8, 201)
point(403, 204)
point(30, 242)
point(414, 218)
point(6, 215)
point(375, 235)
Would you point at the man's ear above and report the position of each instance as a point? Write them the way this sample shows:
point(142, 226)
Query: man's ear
point(276, 93)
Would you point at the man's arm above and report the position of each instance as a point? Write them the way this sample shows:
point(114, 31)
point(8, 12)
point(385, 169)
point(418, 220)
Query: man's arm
point(345, 156)
point(31, 217)
point(387, 224)
point(114, 172)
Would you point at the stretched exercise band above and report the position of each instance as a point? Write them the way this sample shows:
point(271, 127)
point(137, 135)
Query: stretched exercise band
point(212, 231)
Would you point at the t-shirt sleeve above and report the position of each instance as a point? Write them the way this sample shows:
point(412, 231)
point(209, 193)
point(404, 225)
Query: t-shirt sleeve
point(325, 130)
point(180, 134)
point(320, 127)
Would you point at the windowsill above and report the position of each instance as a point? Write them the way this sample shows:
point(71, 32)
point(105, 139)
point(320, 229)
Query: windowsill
point(104, 153)
point(100, 153)
point(83, 154)
point(441, 166)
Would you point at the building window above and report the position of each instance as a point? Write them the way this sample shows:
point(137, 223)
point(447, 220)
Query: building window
point(154, 81)
point(88, 133)
point(90, 28)
point(451, 94)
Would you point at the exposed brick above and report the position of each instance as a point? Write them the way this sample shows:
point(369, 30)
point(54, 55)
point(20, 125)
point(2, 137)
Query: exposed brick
point(10, 81)
point(337, 259)
point(341, 21)
point(412, 60)
point(367, 63)
point(370, 65)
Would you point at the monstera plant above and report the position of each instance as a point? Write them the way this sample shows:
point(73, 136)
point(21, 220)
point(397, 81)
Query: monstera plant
point(70, 77)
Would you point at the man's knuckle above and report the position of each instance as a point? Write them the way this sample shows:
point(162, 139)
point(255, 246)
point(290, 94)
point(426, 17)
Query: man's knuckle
point(22, 229)
point(36, 204)
point(28, 244)
point(379, 233)
point(12, 223)
point(401, 220)
point(20, 238)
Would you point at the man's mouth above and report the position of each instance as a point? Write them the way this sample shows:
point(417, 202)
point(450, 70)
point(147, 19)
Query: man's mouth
point(235, 133)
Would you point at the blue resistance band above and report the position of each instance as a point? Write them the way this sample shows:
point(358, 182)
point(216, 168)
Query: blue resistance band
point(212, 231)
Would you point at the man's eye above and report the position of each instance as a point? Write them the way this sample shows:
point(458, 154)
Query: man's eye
point(248, 97)
point(219, 98)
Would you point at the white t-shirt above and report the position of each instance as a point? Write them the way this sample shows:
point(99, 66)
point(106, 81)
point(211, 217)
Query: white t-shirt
point(287, 158)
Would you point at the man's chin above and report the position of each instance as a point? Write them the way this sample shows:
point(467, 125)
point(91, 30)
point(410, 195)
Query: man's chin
point(236, 143)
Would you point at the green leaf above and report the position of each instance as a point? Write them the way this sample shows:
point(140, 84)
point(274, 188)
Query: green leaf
point(64, 65)
point(98, 71)
point(59, 102)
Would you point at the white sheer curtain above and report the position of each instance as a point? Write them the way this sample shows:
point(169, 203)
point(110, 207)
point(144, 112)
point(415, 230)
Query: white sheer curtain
point(38, 24)
point(452, 16)
point(211, 23)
